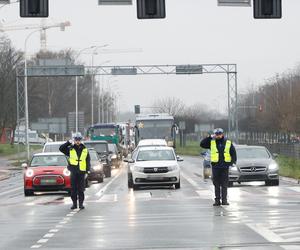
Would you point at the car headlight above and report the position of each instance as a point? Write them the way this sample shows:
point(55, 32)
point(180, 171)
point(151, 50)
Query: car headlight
point(138, 169)
point(172, 168)
point(234, 169)
point(273, 166)
point(66, 172)
point(97, 168)
point(29, 172)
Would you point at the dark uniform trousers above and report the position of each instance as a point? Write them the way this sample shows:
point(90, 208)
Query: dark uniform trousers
point(220, 181)
point(78, 187)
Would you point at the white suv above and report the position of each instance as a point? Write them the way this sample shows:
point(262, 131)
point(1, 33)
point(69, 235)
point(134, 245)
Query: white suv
point(154, 166)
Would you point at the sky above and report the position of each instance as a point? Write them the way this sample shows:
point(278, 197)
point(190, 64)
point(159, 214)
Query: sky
point(193, 32)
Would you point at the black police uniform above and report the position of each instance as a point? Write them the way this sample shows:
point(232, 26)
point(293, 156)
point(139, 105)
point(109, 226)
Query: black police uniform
point(77, 176)
point(220, 169)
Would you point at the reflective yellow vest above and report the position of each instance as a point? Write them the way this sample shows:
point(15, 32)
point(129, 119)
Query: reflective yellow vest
point(74, 159)
point(214, 153)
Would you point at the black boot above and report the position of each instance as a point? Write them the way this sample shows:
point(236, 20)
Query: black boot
point(217, 203)
point(74, 206)
point(225, 203)
point(81, 206)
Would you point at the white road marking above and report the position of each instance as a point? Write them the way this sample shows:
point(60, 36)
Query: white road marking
point(11, 190)
point(266, 233)
point(191, 181)
point(49, 235)
point(36, 246)
point(42, 240)
point(53, 230)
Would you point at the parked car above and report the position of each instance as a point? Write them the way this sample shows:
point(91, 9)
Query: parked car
point(101, 148)
point(254, 163)
point(154, 166)
point(115, 155)
point(46, 172)
point(52, 146)
point(96, 172)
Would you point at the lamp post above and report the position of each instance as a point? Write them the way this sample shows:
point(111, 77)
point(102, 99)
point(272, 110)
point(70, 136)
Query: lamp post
point(26, 83)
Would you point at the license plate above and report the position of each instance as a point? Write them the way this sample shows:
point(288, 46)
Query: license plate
point(156, 178)
point(48, 181)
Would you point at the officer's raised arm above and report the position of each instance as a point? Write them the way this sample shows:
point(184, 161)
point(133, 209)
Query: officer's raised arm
point(64, 148)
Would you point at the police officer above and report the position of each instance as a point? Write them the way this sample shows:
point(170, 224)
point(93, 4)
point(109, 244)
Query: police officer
point(223, 155)
point(79, 165)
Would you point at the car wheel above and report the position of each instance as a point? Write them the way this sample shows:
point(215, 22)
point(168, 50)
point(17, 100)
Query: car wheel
point(130, 181)
point(272, 183)
point(107, 172)
point(28, 192)
point(100, 180)
point(177, 185)
point(230, 184)
point(134, 186)
point(87, 183)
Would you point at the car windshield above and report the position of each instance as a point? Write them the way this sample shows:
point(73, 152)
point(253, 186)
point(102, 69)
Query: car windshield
point(93, 155)
point(49, 160)
point(99, 147)
point(104, 132)
point(156, 155)
point(250, 153)
point(52, 148)
point(112, 147)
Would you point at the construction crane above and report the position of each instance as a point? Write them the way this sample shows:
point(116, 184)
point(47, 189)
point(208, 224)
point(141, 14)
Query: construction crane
point(43, 27)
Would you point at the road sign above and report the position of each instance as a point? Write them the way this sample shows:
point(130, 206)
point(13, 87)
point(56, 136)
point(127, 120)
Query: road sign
point(189, 69)
point(123, 71)
point(234, 3)
point(114, 2)
point(72, 70)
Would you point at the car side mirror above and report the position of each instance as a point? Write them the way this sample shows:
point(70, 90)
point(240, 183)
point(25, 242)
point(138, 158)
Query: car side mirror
point(24, 165)
point(275, 155)
point(179, 158)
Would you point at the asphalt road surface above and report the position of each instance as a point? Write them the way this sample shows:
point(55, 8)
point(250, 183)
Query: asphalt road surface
point(258, 217)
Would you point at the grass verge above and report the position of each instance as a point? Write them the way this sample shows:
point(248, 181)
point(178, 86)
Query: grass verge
point(192, 148)
point(8, 149)
point(289, 167)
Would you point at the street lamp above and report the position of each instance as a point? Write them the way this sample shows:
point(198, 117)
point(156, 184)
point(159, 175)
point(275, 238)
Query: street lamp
point(26, 83)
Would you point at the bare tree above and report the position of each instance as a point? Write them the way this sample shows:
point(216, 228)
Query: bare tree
point(170, 105)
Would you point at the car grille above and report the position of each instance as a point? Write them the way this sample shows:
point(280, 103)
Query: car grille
point(156, 170)
point(257, 177)
point(253, 169)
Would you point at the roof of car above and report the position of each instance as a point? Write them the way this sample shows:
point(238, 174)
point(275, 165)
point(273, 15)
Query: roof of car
point(249, 146)
point(155, 148)
point(95, 142)
point(54, 142)
point(152, 142)
point(48, 154)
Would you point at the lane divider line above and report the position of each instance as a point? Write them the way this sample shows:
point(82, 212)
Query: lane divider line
point(69, 216)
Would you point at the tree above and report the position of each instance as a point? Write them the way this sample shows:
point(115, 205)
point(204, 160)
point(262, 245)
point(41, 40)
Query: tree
point(9, 59)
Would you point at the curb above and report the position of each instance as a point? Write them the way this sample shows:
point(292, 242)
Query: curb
point(4, 175)
point(288, 179)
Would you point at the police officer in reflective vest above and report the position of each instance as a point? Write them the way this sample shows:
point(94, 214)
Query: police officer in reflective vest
point(79, 165)
point(222, 156)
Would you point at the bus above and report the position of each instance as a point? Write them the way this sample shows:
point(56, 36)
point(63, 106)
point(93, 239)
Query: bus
point(109, 132)
point(156, 126)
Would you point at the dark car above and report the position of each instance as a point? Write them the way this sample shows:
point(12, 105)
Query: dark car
point(206, 164)
point(96, 172)
point(101, 148)
point(254, 163)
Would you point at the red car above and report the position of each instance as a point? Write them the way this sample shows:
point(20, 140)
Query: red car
point(46, 172)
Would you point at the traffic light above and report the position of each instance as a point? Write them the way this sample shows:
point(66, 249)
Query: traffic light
point(34, 8)
point(150, 9)
point(137, 109)
point(267, 9)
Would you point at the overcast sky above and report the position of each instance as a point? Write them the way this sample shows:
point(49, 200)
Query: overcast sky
point(194, 32)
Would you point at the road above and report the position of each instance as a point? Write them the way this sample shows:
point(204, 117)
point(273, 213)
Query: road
point(258, 217)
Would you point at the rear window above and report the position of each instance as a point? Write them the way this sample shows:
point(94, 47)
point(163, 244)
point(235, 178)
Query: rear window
point(99, 147)
point(156, 155)
point(52, 148)
point(49, 160)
